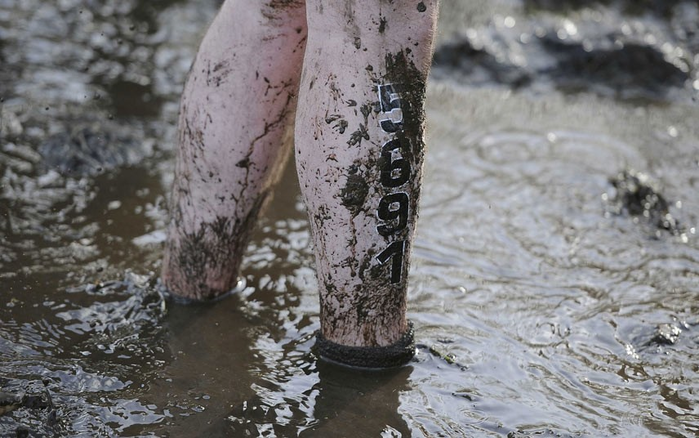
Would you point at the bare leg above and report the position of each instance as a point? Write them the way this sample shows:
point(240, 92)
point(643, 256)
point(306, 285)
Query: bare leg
point(359, 151)
point(238, 101)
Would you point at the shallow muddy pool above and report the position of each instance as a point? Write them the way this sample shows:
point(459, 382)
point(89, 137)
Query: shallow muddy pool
point(555, 282)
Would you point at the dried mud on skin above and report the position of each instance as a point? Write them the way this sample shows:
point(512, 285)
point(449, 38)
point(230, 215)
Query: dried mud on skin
point(660, 7)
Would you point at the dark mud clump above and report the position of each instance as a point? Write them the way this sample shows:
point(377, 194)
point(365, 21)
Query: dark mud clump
point(114, 327)
point(276, 10)
point(362, 133)
point(89, 150)
point(402, 72)
point(355, 191)
point(203, 264)
point(666, 334)
point(10, 401)
point(341, 124)
point(638, 196)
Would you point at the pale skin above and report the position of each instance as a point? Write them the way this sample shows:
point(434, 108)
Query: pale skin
point(238, 101)
point(355, 73)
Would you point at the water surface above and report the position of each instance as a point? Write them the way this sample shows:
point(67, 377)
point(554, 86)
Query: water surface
point(542, 307)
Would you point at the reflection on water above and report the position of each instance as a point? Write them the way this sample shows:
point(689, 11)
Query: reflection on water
point(541, 306)
point(552, 303)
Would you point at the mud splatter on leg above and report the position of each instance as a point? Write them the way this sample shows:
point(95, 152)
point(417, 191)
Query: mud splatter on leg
point(363, 180)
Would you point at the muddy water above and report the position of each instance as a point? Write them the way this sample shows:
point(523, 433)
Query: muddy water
point(545, 302)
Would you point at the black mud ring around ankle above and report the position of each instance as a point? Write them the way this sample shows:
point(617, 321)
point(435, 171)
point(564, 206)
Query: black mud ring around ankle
point(394, 355)
point(186, 301)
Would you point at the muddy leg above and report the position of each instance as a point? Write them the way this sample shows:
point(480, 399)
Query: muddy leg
point(359, 152)
point(238, 101)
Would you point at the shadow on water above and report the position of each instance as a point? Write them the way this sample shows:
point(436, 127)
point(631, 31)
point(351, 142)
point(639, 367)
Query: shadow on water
point(554, 284)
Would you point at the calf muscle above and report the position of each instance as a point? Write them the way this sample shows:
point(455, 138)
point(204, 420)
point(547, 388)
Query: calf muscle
point(359, 152)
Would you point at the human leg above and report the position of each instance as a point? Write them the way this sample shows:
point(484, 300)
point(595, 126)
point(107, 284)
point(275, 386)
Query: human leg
point(359, 152)
point(237, 103)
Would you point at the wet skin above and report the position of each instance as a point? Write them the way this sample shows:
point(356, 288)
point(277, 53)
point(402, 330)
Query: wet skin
point(359, 151)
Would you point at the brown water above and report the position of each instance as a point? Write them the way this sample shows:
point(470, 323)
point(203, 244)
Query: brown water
point(542, 307)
